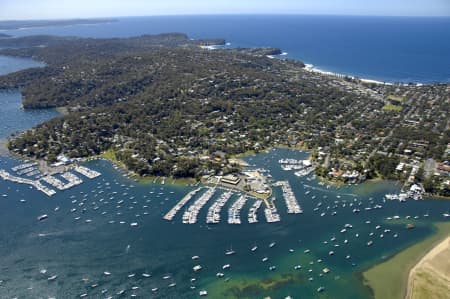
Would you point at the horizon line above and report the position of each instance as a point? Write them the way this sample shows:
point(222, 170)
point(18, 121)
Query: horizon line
point(225, 14)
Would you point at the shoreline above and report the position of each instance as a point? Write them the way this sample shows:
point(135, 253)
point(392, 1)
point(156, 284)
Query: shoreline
point(389, 279)
point(312, 69)
point(430, 255)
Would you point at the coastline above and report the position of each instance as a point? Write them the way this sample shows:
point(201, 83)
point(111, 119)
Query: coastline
point(389, 279)
point(311, 68)
point(414, 272)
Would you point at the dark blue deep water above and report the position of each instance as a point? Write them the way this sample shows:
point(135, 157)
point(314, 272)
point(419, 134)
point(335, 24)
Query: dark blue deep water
point(391, 49)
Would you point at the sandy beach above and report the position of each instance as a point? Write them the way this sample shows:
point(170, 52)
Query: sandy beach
point(430, 277)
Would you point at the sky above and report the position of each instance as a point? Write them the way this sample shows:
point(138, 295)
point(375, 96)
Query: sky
point(63, 9)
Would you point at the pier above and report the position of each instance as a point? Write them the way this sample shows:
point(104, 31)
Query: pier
point(252, 213)
point(38, 185)
point(171, 214)
point(293, 207)
point(190, 216)
point(72, 179)
point(234, 213)
point(89, 173)
point(271, 213)
point(213, 216)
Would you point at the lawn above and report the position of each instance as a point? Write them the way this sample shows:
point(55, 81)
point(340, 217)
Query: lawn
point(392, 107)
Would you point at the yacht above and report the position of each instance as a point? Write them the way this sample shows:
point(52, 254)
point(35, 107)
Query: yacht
point(230, 252)
point(42, 217)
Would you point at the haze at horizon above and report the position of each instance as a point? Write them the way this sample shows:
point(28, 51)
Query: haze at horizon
point(53, 9)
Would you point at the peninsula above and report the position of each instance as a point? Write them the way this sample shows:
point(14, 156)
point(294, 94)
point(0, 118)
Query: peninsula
point(11, 25)
point(166, 105)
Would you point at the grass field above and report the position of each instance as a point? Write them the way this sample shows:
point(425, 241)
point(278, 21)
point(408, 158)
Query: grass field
point(389, 279)
point(392, 107)
point(396, 98)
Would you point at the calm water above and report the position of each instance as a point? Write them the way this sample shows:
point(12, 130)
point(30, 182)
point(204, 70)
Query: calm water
point(80, 251)
point(389, 49)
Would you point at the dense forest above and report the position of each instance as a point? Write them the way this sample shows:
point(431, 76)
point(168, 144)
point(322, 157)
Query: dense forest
point(166, 105)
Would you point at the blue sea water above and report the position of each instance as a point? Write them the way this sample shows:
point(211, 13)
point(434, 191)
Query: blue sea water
point(391, 49)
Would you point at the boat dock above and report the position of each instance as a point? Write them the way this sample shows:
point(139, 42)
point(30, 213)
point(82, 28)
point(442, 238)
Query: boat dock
point(89, 173)
point(37, 184)
point(252, 213)
point(72, 179)
point(272, 214)
point(213, 216)
point(190, 216)
point(234, 213)
point(171, 214)
point(293, 207)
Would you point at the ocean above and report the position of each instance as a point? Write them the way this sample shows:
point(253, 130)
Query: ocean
point(87, 246)
point(387, 49)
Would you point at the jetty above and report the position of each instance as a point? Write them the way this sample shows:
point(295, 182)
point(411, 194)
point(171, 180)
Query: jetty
point(72, 179)
point(293, 207)
point(171, 214)
point(252, 213)
point(213, 216)
point(89, 173)
point(37, 184)
point(234, 212)
point(190, 216)
point(272, 214)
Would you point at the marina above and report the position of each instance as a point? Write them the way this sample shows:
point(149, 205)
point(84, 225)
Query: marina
point(234, 213)
point(252, 213)
point(213, 216)
point(292, 204)
point(172, 213)
point(38, 185)
point(190, 215)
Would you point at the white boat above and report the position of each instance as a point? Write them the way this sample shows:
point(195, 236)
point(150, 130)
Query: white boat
point(203, 293)
point(42, 217)
point(230, 252)
point(197, 268)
